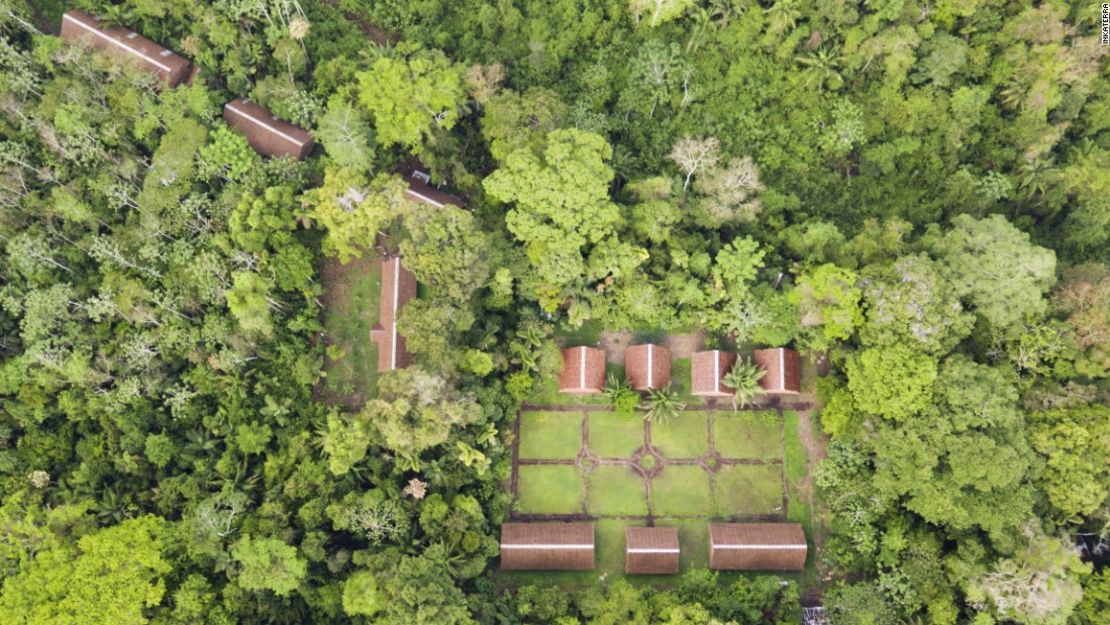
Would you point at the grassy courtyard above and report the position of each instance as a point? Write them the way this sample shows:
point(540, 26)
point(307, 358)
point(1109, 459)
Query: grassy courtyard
point(702, 465)
point(350, 299)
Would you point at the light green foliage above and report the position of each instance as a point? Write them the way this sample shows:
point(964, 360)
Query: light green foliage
point(993, 266)
point(112, 576)
point(159, 450)
point(1095, 607)
point(361, 596)
point(652, 13)
point(268, 564)
point(561, 206)
point(421, 592)
point(912, 303)
point(227, 155)
point(744, 379)
point(409, 98)
point(512, 121)
point(415, 411)
point(936, 458)
point(828, 301)
point(736, 266)
point(345, 135)
point(893, 382)
point(445, 250)
point(248, 300)
point(1074, 444)
point(352, 209)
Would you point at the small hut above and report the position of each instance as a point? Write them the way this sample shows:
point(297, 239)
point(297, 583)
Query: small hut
point(583, 371)
point(268, 135)
point(547, 546)
point(398, 289)
point(651, 550)
point(757, 547)
point(783, 369)
point(707, 370)
point(421, 191)
point(647, 366)
point(81, 28)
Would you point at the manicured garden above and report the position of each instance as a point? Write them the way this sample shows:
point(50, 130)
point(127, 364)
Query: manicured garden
point(614, 469)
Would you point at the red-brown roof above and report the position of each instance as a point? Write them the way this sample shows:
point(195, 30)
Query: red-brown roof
point(651, 550)
point(117, 41)
point(420, 191)
point(757, 547)
point(707, 369)
point(647, 366)
point(783, 369)
point(268, 135)
point(583, 371)
point(547, 546)
point(398, 289)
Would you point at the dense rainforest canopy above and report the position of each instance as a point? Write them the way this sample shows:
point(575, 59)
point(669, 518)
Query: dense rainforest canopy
point(916, 192)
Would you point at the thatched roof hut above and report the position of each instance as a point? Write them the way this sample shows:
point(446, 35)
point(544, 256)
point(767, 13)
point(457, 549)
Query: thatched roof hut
point(647, 366)
point(268, 135)
point(707, 370)
point(583, 371)
point(398, 289)
point(81, 28)
point(783, 369)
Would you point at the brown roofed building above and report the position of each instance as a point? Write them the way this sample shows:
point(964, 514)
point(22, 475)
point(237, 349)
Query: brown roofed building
point(707, 369)
point(583, 371)
point(647, 366)
point(398, 289)
point(651, 550)
point(547, 546)
point(420, 191)
point(117, 41)
point(268, 135)
point(783, 370)
point(757, 547)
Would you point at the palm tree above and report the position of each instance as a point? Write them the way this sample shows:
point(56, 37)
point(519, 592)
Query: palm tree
point(823, 64)
point(662, 404)
point(744, 378)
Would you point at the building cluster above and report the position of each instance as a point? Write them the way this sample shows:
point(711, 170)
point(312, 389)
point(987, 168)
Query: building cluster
point(269, 136)
point(653, 550)
point(648, 367)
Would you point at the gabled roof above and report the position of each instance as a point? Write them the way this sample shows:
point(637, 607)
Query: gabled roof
point(398, 289)
point(420, 191)
point(783, 369)
point(547, 546)
point(757, 546)
point(707, 370)
point(583, 371)
point(268, 135)
point(651, 550)
point(117, 41)
point(647, 366)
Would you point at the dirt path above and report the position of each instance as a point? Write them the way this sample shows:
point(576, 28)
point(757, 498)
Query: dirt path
point(814, 442)
point(379, 36)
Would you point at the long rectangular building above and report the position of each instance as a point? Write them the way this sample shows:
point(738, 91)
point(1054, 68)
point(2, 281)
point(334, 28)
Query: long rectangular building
point(757, 547)
point(81, 28)
point(398, 289)
point(420, 191)
point(547, 546)
point(268, 135)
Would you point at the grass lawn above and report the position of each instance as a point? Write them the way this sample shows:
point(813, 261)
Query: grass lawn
point(350, 299)
point(693, 539)
point(615, 436)
point(747, 435)
point(550, 435)
point(747, 489)
point(684, 436)
point(616, 490)
point(681, 490)
point(799, 509)
point(550, 489)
